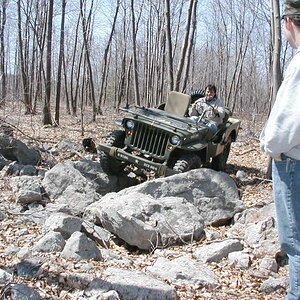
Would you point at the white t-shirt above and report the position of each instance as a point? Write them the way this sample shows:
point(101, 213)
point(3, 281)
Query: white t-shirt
point(282, 130)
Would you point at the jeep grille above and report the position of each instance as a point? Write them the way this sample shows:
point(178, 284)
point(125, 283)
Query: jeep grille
point(150, 140)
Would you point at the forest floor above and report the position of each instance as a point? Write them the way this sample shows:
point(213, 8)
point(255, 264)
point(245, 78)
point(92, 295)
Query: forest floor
point(245, 155)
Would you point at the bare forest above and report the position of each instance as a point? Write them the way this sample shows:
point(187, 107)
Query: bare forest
point(70, 55)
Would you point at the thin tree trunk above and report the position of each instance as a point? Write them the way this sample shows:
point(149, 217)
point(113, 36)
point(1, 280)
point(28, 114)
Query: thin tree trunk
point(105, 59)
point(60, 60)
point(190, 46)
point(276, 74)
point(184, 47)
point(2, 52)
point(169, 44)
point(134, 56)
point(47, 111)
point(24, 74)
point(87, 56)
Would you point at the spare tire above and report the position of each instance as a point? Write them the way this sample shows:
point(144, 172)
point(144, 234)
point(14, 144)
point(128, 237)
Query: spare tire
point(197, 94)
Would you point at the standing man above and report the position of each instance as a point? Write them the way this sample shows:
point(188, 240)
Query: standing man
point(210, 108)
point(281, 140)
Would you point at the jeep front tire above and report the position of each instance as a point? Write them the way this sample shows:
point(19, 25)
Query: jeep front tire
point(109, 164)
point(187, 162)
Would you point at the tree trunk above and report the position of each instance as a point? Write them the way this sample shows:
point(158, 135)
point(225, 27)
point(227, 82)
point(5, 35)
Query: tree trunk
point(47, 111)
point(190, 46)
point(184, 47)
point(60, 61)
point(2, 52)
point(87, 56)
point(24, 73)
point(134, 56)
point(169, 44)
point(276, 69)
point(105, 58)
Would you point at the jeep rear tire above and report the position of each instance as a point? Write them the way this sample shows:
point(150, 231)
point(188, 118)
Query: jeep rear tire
point(218, 162)
point(187, 162)
point(109, 164)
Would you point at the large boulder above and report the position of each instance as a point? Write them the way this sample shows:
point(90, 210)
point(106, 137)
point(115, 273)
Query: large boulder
point(69, 188)
point(146, 222)
point(214, 194)
point(15, 150)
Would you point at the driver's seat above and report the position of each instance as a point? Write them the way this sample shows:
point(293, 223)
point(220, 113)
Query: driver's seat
point(178, 103)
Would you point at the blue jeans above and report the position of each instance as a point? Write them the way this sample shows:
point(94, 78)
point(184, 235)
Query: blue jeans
point(286, 188)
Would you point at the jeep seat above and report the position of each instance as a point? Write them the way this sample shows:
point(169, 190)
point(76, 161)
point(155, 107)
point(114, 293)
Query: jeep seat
point(178, 103)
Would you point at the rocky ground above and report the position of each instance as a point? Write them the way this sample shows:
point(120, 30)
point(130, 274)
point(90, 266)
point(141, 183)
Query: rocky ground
point(245, 155)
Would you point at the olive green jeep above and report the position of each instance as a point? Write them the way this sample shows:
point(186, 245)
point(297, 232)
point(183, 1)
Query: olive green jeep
point(166, 141)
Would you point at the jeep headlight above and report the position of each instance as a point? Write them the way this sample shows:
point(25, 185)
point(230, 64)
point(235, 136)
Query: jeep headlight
point(129, 124)
point(175, 140)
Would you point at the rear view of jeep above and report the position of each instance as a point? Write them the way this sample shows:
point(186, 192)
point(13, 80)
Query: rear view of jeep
point(165, 141)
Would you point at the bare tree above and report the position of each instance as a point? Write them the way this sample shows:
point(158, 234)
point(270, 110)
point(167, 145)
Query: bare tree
point(169, 43)
point(183, 55)
point(47, 111)
point(276, 69)
point(60, 60)
point(190, 45)
point(2, 51)
point(86, 43)
point(24, 70)
point(105, 58)
point(134, 55)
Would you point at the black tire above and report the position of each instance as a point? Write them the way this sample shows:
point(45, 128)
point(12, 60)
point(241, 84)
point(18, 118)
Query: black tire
point(187, 162)
point(109, 164)
point(218, 162)
point(195, 95)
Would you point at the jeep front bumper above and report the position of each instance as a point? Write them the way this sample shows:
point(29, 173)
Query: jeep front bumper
point(117, 153)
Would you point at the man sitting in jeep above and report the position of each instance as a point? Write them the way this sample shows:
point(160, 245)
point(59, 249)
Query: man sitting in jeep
point(209, 109)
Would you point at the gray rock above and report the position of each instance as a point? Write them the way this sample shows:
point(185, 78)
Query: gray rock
point(67, 144)
point(184, 270)
point(239, 259)
point(4, 162)
point(215, 251)
point(23, 292)
point(80, 247)
point(147, 223)
point(263, 235)
point(214, 194)
point(28, 189)
point(269, 264)
point(50, 242)
point(273, 284)
point(5, 277)
point(28, 170)
point(63, 223)
point(69, 188)
point(28, 268)
point(255, 215)
point(35, 213)
point(2, 216)
point(110, 255)
point(133, 285)
point(97, 233)
point(76, 280)
point(15, 150)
